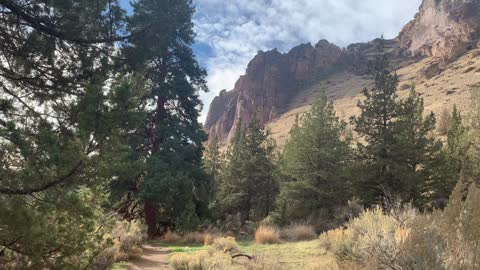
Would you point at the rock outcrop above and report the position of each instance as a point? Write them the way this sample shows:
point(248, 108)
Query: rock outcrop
point(270, 80)
point(444, 29)
point(273, 78)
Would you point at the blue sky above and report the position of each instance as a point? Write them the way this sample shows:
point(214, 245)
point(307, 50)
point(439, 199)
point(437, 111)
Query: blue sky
point(231, 32)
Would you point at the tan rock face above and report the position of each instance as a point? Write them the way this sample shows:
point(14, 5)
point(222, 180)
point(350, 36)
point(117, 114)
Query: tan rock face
point(444, 29)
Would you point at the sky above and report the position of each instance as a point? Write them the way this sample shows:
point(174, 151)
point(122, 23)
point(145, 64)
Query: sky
point(231, 32)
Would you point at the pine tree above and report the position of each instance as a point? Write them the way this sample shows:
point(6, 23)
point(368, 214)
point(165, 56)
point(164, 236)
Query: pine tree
point(450, 159)
point(213, 164)
point(172, 146)
point(471, 162)
point(247, 185)
point(375, 125)
point(399, 157)
point(314, 166)
point(416, 151)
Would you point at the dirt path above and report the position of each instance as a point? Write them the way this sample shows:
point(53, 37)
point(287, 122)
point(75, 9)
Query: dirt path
point(154, 258)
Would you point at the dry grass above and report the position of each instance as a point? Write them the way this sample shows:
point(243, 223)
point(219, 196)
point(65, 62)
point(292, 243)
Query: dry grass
point(285, 256)
point(191, 238)
point(172, 237)
point(216, 257)
point(345, 89)
point(298, 232)
point(208, 239)
point(267, 235)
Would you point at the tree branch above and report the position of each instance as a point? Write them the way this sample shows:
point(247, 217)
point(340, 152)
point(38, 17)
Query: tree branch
point(40, 25)
point(27, 191)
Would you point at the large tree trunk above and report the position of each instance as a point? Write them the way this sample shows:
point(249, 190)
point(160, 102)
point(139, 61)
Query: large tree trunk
point(151, 219)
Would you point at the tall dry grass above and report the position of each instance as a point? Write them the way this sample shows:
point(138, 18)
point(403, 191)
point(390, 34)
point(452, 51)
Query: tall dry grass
point(298, 232)
point(267, 235)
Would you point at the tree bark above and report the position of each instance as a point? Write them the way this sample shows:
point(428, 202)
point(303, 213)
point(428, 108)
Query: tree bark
point(151, 219)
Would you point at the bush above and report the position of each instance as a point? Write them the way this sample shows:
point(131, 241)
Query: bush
point(105, 259)
point(298, 232)
point(448, 239)
point(193, 238)
point(225, 245)
point(373, 240)
point(128, 237)
point(127, 240)
point(266, 235)
point(172, 237)
point(402, 239)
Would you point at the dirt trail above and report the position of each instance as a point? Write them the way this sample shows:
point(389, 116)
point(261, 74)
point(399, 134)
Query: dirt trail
point(154, 258)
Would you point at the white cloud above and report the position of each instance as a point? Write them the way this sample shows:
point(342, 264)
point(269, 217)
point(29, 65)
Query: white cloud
point(236, 30)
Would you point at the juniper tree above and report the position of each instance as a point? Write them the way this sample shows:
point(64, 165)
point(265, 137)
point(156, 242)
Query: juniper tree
point(314, 166)
point(55, 129)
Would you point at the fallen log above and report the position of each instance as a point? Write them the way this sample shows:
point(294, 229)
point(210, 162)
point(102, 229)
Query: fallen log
point(250, 257)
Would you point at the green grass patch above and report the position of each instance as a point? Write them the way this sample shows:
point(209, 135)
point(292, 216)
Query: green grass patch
point(175, 248)
point(120, 266)
point(299, 255)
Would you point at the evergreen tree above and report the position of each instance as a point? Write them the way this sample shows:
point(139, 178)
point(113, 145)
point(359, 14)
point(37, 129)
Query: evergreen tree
point(399, 156)
point(443, 122)
point(247, 185)
point(471, 162)
point(375, 125)
point(55, 130)
point(416, 152)
point(450, 159)
point(212, 164)
point(314, 166)
point(172, 146)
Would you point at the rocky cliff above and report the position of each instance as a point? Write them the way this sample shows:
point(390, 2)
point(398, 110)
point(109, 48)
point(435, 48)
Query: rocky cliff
point(274, 82)
point(269, 82)
point(444, 29)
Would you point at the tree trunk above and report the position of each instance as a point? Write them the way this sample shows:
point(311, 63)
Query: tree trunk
point(151, 219)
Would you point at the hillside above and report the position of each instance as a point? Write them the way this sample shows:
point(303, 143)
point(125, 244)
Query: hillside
point(437, 51)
